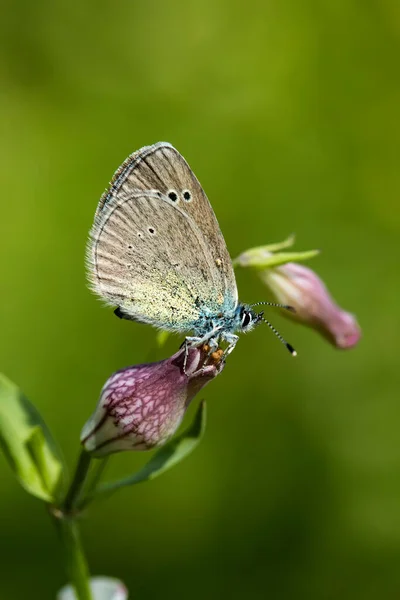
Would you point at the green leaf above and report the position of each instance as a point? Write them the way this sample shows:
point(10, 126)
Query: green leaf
point(166, 458)
point(281, 258)
point(260, 258)
point(281, 245)
point(253, 256)
point(27, 443)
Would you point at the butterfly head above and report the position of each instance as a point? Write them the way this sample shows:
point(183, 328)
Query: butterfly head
point(248, 318)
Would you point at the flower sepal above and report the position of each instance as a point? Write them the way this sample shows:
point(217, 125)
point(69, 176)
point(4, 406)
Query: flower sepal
point(271, 255)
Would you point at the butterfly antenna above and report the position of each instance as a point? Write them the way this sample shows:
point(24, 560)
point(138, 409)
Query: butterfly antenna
point(278, 335)
point(285, 306)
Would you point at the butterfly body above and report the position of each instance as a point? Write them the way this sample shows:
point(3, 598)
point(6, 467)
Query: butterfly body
point(157, 253)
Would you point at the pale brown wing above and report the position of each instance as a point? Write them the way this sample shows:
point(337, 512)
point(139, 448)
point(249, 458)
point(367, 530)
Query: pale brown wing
point(148, 257)
point(161, 168)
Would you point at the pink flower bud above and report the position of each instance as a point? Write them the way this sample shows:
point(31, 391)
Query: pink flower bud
point(140, 407)
point(300, 287)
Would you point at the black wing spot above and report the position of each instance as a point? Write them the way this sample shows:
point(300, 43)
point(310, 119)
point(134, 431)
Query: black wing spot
point(151, 230)
point(187, 196)
point(172, 195)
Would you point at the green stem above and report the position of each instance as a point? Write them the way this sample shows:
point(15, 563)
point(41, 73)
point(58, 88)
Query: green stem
point(68, 528)
point(75, 490)
point(91, 484)
point(76, 565)
point(97, 473)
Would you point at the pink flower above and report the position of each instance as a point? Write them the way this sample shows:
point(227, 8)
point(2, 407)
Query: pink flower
point(301, 288)
point(140, 407)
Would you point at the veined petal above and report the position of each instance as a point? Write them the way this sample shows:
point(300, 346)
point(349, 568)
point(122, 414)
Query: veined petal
point(141, 407)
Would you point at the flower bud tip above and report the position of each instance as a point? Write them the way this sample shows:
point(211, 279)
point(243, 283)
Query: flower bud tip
point(298, 286)
point(290, 308)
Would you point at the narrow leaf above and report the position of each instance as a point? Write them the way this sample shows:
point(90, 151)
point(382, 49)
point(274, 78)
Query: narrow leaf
point(27, 443)
point(284, 257)
point(278, 246)
point(253, 256)
point(259, 258)
point(48, 466)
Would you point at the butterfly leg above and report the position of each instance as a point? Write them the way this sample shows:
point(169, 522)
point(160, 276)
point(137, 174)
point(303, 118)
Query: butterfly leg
point(211, 338)
point(194, 342)
point(231, 339)
point(190, 342)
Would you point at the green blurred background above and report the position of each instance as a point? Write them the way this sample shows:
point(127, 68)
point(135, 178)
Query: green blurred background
point(289, 114)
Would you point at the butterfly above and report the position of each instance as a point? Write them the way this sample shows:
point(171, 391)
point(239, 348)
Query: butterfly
point(157, 253)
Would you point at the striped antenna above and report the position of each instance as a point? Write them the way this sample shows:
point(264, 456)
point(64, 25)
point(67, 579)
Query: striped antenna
point(278, 335)
point(285, 306)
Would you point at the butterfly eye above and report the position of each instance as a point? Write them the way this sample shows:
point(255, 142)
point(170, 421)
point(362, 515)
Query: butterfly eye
point(246, 320)
point(172, 195)
point(187, 195)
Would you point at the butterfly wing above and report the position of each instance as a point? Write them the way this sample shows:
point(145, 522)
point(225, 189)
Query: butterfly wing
point(163, 169)
point(148, 257)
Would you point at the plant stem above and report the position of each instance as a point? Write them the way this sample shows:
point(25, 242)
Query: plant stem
point(68, 528)
point(97, 472)
point(74, 492)
point(76, 565)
